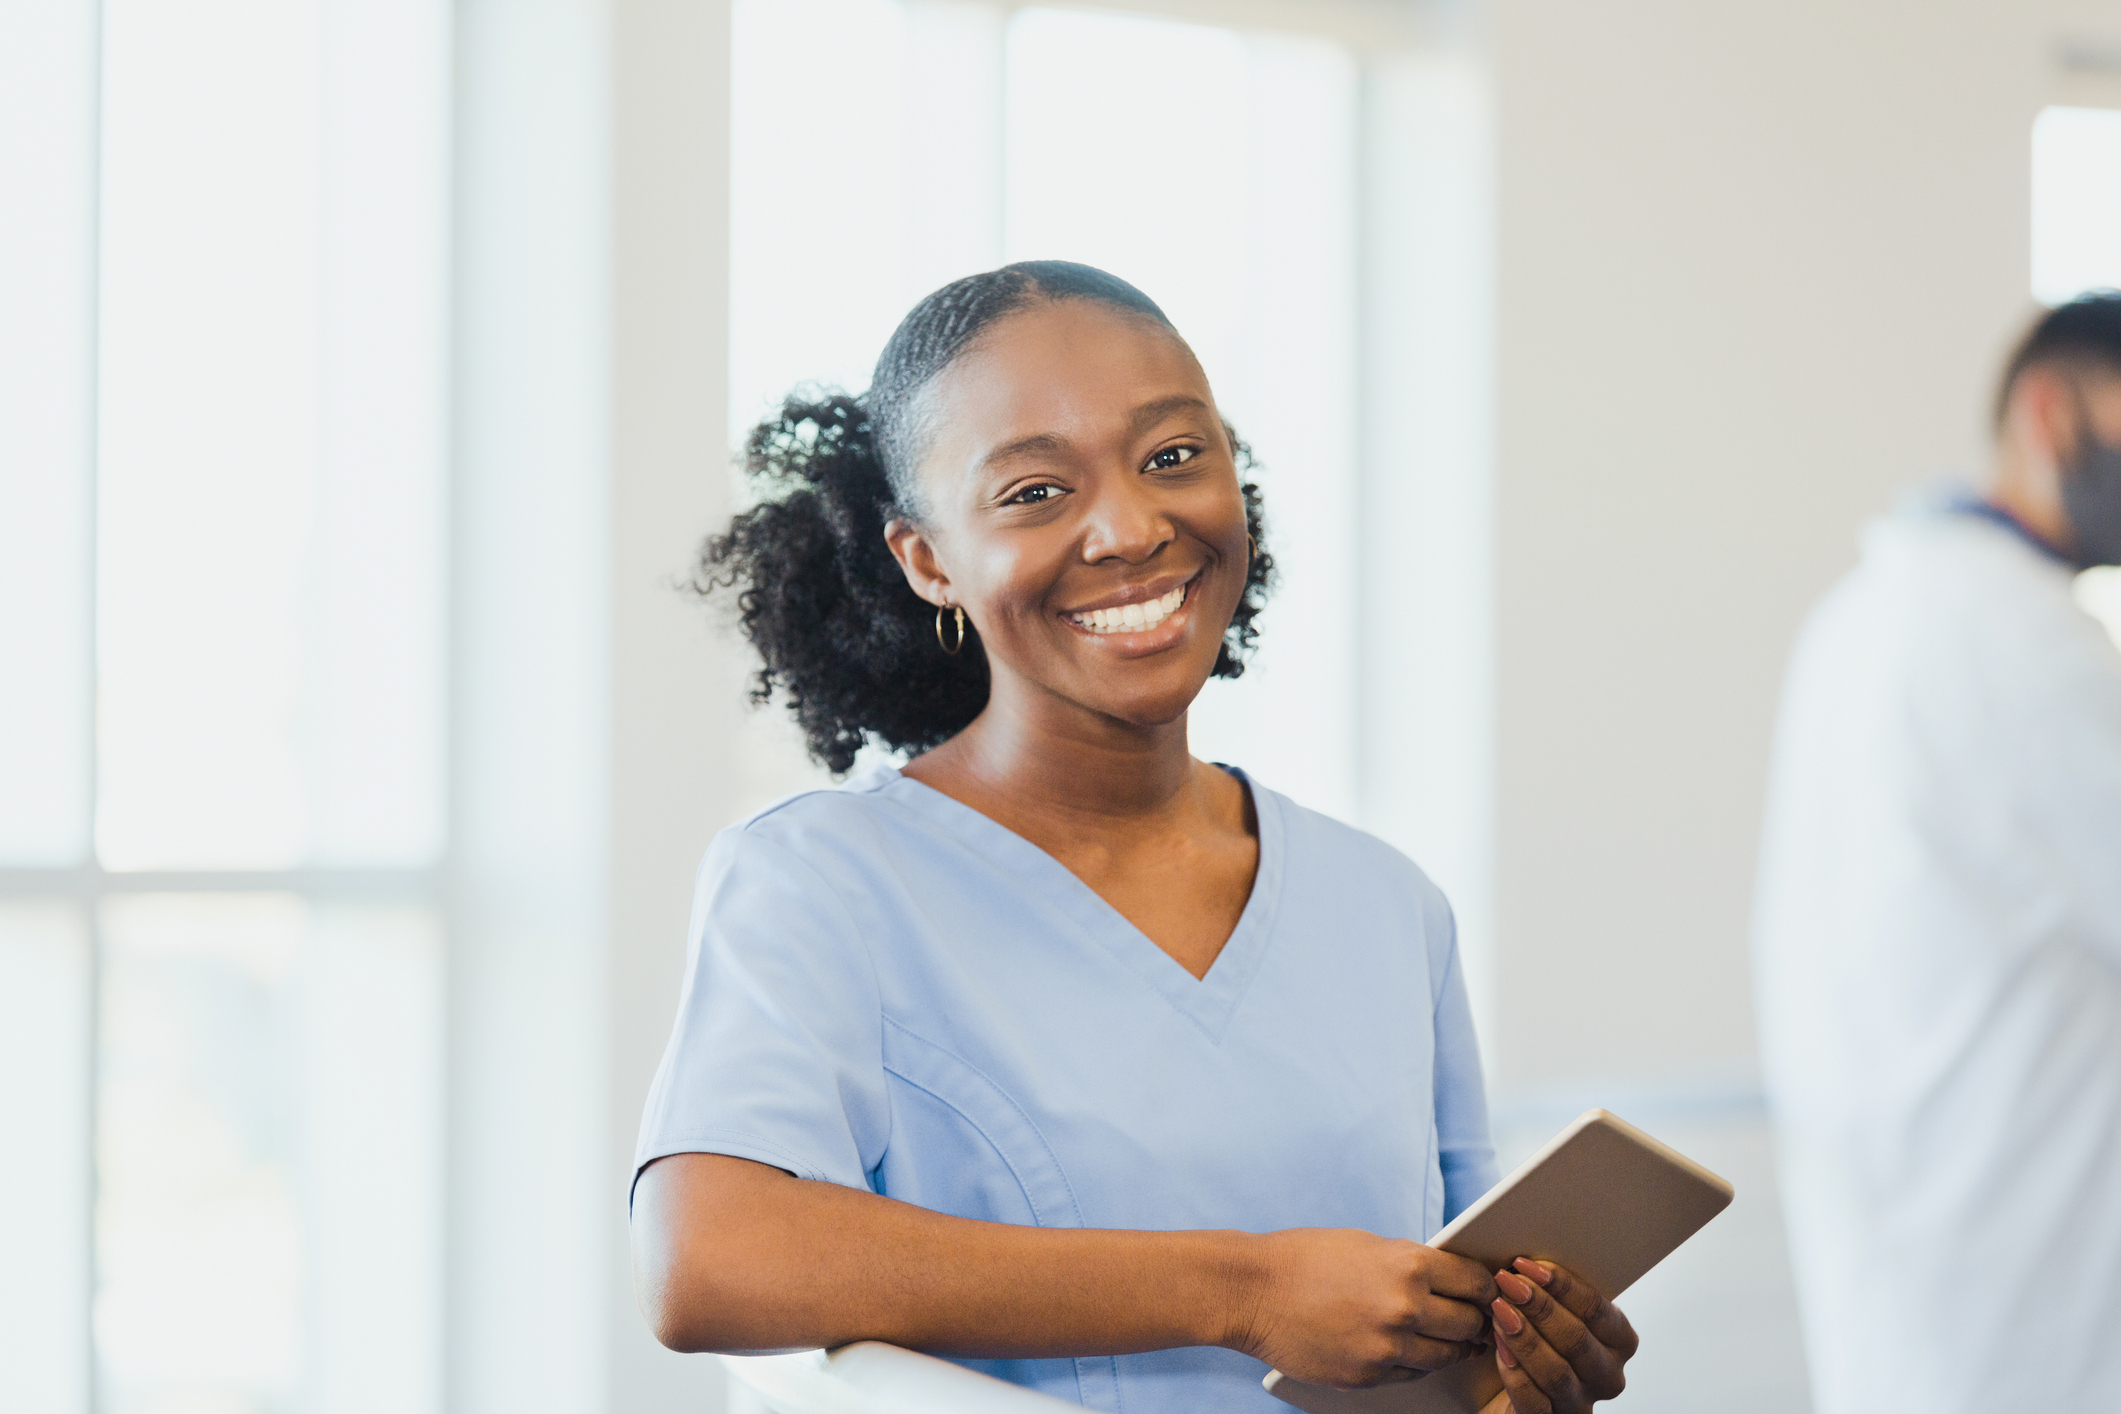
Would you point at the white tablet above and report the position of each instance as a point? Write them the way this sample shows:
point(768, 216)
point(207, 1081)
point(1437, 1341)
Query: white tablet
point(1602, 1198)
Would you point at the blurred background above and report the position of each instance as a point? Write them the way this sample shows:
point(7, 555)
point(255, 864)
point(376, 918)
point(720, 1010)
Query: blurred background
point(369, 370)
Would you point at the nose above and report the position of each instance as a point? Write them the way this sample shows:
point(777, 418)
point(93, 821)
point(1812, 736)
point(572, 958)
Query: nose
point(1125, 523)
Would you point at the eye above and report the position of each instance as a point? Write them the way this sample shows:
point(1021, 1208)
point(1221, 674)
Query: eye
point(1037, 495)
point(1171, 457)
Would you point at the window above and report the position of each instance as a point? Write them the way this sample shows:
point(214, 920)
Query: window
point(2076, 202)
point(220, 904)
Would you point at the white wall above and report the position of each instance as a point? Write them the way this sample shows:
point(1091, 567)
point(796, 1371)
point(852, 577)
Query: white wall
point(1757, 266)
point(674, 770)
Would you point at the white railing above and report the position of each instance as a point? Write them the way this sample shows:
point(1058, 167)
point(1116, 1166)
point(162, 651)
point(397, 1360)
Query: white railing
point(870, 1377)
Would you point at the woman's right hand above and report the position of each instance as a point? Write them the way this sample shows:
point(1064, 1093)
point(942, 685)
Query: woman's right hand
point(740, 1256)
point(1343, 1307)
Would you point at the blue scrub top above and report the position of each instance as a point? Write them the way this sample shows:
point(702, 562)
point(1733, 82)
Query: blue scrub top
point(889, 990)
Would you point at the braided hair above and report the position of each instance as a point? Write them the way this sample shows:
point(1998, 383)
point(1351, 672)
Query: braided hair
point(842, 638)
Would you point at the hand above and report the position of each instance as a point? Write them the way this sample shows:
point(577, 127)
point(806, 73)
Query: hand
point(1559, 1345)
point(1348, 1308)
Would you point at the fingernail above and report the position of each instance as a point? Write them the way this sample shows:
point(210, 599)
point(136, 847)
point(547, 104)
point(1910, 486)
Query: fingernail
point(1504, 1358)
point(1507, 1319)
point(1534, 1270)
point(1516, 1288)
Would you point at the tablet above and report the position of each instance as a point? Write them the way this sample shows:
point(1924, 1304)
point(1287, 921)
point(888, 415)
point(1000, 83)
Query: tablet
point(1602, 1198)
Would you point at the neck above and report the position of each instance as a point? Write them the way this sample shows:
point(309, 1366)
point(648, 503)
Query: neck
point(2029, 489)
point(1058, 759)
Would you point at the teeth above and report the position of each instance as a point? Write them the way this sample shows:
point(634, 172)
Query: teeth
point(1133, 618)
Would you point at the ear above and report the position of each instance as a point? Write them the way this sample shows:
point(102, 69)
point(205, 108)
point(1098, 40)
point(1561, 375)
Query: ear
point(2044, 409)
point(917, 560)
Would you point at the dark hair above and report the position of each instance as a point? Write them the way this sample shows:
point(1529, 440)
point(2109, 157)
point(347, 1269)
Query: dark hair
point(842, 637)
point(2079, 336)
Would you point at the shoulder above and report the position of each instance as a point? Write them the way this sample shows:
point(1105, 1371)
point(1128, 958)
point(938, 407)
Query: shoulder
point(1935, 596)
point(1938, 566)
point(809, 837)
point(858, 809)
point(1331, 856)
point(801, 878)
point(1352, 896)
point(1941, 597)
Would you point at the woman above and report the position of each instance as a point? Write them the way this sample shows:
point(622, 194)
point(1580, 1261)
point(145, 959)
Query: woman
point(1128, 1077)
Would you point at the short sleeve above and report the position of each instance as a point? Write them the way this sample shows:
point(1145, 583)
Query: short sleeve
point(777, 1054)
point(1465, 1150)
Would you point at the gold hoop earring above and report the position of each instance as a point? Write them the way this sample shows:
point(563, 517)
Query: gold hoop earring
point(1251, 548)
point(953, 649)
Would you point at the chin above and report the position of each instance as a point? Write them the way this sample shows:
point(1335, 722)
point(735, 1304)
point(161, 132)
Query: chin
point(1155, 708)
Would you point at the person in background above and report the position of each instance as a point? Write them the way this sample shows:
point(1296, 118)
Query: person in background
point(1937, 937)
point(1057, 1049)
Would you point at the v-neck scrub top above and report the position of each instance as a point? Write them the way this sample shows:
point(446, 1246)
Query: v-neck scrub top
point(888, 990)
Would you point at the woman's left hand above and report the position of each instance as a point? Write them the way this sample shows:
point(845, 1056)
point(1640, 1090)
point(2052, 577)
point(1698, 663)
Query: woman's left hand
point(1559, 1345)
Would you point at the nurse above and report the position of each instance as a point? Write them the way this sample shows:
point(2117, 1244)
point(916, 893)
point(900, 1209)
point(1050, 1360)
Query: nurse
point(1095, 1066)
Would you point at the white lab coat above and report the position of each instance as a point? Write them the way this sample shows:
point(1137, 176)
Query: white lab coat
point(1937, 956)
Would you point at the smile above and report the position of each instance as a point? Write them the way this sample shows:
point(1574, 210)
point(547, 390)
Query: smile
point(1131, 618)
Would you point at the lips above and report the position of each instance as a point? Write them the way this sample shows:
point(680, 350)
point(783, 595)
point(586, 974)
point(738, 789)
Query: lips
point(1136, 617)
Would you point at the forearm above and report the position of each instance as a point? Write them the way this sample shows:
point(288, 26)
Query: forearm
point(733, 1255)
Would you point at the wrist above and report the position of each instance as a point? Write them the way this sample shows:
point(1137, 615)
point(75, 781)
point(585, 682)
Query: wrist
point(1240, 1274)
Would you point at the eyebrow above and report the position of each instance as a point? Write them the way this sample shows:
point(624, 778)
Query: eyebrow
point(1149, 414)
point(1022, 446)
point(1142, 418)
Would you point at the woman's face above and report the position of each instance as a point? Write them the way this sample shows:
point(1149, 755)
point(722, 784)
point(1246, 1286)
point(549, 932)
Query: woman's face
point(1083, 507)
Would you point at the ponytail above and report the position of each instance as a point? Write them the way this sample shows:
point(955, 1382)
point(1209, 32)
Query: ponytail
point(840, 634)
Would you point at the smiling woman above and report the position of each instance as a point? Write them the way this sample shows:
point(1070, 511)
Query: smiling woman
point(843, 634)
point(1111, 1071)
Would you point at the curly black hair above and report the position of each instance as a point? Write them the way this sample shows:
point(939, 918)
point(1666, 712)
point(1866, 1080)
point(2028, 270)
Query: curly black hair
point(842, 637)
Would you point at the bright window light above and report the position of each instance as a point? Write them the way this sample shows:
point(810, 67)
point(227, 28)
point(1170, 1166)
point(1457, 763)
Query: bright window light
point(235, 1085)
point(1129, 150)
point(45, 1025)
point(268, 1155)
point(271, 440)
point(2076, 202)
point(47, 297)
point(816, 186)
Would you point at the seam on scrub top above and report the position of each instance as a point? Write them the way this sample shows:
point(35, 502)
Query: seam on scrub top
point(1014, 1172)
point(1450, 965)
point(776, 807)
point(1119, 1396)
